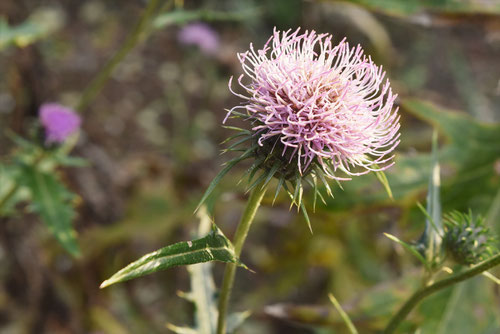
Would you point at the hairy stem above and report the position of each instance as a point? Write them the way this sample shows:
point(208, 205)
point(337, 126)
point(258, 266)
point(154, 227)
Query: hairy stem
point(98, 82)
point(444, 283)
point(239, 239)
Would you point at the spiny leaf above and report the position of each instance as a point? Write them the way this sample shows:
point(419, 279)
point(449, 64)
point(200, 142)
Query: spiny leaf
point(270, 175)
point(221, 174)
point(256, 182)
point(234, 128)
point(306, 216)
point(296, 192)
point(213, 247)
point(228, 139)
point(324, 181)
point(409, 248)
point(278, 187)
point(51, 201)
point(252, 170)
point(383, 179)
point(239, 142)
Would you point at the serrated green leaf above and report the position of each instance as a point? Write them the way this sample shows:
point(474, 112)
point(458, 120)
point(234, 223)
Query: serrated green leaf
point(213, 247)
point(51, 201)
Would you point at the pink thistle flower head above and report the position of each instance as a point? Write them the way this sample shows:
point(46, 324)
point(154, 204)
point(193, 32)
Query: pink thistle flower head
point(316, 108)
point(201, 35)
point(314, 103)
point(58, 121)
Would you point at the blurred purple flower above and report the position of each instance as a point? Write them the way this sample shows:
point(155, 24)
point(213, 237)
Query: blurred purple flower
point(325, 104)
point(201, 35)
point(59, 122)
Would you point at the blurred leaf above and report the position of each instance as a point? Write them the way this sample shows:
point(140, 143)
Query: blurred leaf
point(183, 16)
point(213, 247)
point(236, 319)
point(368, 310)
point(463, 308)
point(10, 194)
point(41, 23)
point(51, 201)
point(104, 320)
point(342, 313)
point(432, 236)
point(410, 7)
point(473, 150)
point(367, 23)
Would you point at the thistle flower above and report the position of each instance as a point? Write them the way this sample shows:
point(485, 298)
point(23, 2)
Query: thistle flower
point(59, 122)
point(466, 239)
point(315, 109)
point(319, 103)
point(201, 35)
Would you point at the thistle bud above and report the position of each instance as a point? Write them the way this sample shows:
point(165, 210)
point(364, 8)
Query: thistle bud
point(467, 240)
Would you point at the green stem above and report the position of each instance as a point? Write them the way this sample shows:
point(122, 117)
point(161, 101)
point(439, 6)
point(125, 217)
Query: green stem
point(98, 82)
point(426, 291)
point(239, 239)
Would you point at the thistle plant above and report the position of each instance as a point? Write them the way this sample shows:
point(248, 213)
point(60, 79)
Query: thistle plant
point(317, 111)
point(30, 173)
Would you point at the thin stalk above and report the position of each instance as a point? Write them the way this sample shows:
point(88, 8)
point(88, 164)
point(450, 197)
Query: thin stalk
point(444, 283)
point(239, 239)
point(102, 77)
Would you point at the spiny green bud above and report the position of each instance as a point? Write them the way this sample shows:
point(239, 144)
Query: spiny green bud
point(467, 240)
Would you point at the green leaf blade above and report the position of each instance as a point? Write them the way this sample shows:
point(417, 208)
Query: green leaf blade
point(213, 247)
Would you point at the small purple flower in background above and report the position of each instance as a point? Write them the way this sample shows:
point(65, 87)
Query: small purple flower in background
point(59, 122)
point(319, 103)
point(201, 35)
